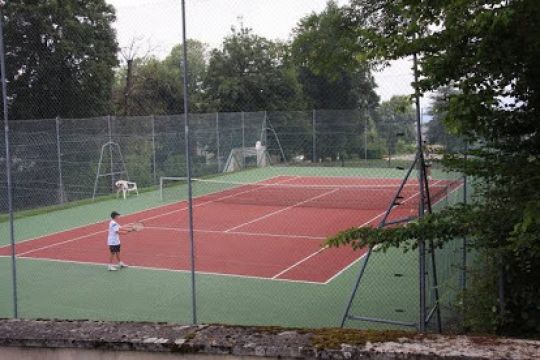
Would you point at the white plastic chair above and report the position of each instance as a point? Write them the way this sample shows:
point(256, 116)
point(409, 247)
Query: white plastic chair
point(126, 187)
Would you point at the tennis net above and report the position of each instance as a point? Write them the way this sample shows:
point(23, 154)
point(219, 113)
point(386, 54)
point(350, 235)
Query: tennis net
point(326, 195)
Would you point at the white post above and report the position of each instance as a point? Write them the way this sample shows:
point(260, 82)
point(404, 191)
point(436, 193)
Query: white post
point(314, 136)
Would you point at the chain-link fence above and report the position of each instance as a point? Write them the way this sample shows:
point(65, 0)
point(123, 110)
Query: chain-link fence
point(56, 161)
point(284, 154)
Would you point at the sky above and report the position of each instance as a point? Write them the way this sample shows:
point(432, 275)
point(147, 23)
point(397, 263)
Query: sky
point(157, 24)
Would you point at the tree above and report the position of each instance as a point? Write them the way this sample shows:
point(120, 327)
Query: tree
point(488, 51)
point(59, 57)
point(157, 85)
point(331, 74)
point(437, 130)
point(395, 122)
point(333, 78)
point(129, 54)
point(250, 73)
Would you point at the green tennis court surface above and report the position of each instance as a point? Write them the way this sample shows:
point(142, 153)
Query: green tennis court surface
point(63, 289)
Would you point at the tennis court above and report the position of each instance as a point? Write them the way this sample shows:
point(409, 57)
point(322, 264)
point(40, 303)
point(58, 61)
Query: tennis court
point(270, 229)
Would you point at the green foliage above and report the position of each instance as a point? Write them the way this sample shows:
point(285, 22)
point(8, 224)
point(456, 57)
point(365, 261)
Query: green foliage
point(157, 85)
point(439, 227)
point(250, 73)
point(328, 70)
point(482, 315)
point(396, 122)
point(438, 131)
point(488, 51)
point(59, 58)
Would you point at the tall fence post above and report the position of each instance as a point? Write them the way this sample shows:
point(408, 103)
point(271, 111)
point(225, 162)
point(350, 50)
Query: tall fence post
point(8, 168)
point(366, 138)
point(188, 165)
point(421, 210)
point(154, 148)
point(314, 135)
point(243, 141)
point(59, 157)
point(218, 151)
point(109, 125)
point(464, 246)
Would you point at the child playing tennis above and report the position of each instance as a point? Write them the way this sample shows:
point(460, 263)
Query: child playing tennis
point(113, 241)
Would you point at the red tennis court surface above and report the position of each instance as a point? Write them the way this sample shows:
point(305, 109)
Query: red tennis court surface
point(249, 231)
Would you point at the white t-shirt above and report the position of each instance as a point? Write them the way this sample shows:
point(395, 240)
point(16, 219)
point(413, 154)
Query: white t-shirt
point(114, 237)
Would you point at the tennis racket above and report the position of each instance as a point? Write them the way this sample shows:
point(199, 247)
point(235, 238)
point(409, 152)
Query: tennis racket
point(137, 226)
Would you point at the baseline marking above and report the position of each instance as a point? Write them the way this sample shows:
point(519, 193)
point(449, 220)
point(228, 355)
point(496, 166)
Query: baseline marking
point(173, 270)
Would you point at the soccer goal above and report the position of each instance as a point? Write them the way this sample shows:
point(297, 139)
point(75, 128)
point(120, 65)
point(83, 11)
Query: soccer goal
point(242, 158)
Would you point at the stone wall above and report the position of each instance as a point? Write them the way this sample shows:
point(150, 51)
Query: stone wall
point(91, 340)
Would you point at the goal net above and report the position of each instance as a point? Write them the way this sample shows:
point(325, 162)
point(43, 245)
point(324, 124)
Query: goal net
point(247, 157)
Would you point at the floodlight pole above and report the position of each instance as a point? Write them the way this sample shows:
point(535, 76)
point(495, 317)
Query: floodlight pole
point(8, 165)
point(188, 164)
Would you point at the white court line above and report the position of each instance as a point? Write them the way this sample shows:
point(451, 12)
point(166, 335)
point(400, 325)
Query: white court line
point(172, 270)
point(61, 243)
point(282, 210)
point(297, 263)
point(324, 248)
point(142, 220)
point(345, 268)
point(246, 233)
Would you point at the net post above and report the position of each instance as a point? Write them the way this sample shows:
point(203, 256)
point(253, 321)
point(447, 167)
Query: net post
point(161, 188)
point(8, 167)
point(153, 120)
point(314, 135)
point(59, 162)
point(188, 164)
point(217, 142)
